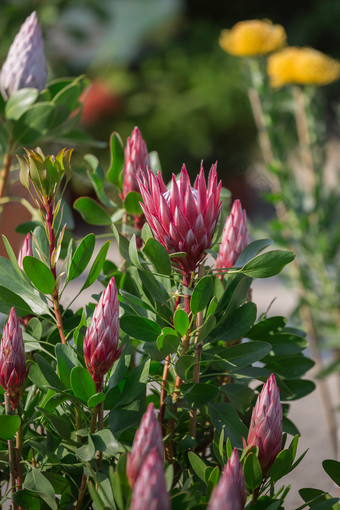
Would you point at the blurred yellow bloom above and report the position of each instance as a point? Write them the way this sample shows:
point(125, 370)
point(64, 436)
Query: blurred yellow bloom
point(253, 37)
point(304, 66)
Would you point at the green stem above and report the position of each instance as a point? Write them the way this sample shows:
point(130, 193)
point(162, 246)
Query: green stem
point(11, 459)
point(82, 488)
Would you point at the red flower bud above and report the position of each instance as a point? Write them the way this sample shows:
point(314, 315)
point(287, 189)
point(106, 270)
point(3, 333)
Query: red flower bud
point(101, 338)
point(230, 492)
point(149, 491)
point(136, 161)
point(25, 250)
point(234, 238)
point(265, 429)
point(13, 371)
point(184, 218)
point(148, 438)
point(25, 64)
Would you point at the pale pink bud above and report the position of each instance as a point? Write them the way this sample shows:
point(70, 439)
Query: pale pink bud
point(148, 438)
point(149, 491)
point(25, 250)
point(101, 338)
point(230, 492)
point(265, 429)
point(184, 218)
point(13, 371)
point(234, 238)
point(136, 161)
point(25, 65)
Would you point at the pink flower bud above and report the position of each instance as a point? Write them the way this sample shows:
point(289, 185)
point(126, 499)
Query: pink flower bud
point(234, 238)
point(136, 161)
point(230, 492)
point(265, 429)
point(25, 250)
point(149, 491)
point(101, 338)
point(184, 218)
point(13, 371)
point(25, 65)
point(148, 438)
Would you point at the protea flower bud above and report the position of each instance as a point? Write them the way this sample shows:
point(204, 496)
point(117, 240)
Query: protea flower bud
point(25, 250)
point(101, 338)
point(234, 238)
point(136, 161)
point(13, 371)
point(183, 218)
point(265, 429)
point(230, 492)
point(25, 65)
point(148, 438)
point(150, 491)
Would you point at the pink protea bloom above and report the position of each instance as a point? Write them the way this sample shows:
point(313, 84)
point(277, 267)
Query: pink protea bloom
point(25, 250)
point(149, 491)
point(230, 492)
point(25, 65)
point(234, 238)
point(148, 438)
point(135, 162)
point(13, 371)
point(183, 219)
point(265, 429)
point(101, 338)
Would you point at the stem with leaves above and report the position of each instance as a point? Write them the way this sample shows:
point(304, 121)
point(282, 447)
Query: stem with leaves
point(11, 458)
point(6, 167)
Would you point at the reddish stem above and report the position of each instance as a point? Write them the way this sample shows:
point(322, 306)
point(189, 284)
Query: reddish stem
point(164, 393)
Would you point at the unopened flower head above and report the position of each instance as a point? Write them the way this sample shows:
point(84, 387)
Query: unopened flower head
point(25, 250)
point(302, 66)
point(13, 371)
point(253, 37)
point(149, 491)
point(265, 429)
point(136, 161)
point(148, 438)
point(230, 492)
point(25, 65)
point(234, 238)
point(101, 338)
point(183, 218)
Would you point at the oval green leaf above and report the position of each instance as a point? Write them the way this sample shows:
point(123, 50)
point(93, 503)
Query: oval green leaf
point(33, 123)
point(131, 203)
point(40, 275)
point(268, 264)
point(82, 383)
point(158, 256)
point(140, 328)
point(9, 425)
point(81, 257)
point(92, 212)
point(19, 102)
point(201, 294)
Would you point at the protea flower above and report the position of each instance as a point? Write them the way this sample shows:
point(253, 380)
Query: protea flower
point(183, 218)
point(230, 492)
point(13, 371)
point(25, 250)
point(25, 65)
point(265, 429)
point(148, 438)
point(101, 338)
point(149, 491)
point(136, 161)
point(234, 238)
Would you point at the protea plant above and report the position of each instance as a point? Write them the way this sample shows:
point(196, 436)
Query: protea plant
point(25, 65)
point(25, 250)
point(230, 492)
point(149, 491)
point(101, 338)
point(13, 371)
point(148, 438)
point(234, 238)
point(184, 217)
point(265, 429)
point(135, 162)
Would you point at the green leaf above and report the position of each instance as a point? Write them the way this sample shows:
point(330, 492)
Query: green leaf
point(140, 328)
point(19, 101)
point(252, 472)
point(87, 451)
point(183, 365)
point(332, 468)
point(97, 266)
point(95, 400)
point(28, 499)
point(59, 424)
point(8, 299)
point(115, 172)
point(267, 326)
point(289, 366)
point(33, 123)
point(81, 257)
point(131, 203)
point(198, 465)
point(206, 328)
point(67, 359)
point(243, 354)
point(235, 325)
point(199, 394)
point(92, 212)
point(40, 275)
point(48, 372)
point(168, 342)
point(201, 294)
point(9, 425)
point(105, 442)
point(135, 384)
point(223, 415)
point(82, 383)
point(281, 466)
point(181, 321)
point(268, 264)
point(239, 395)
point(158, 256)
point(298, 388)
point(37, 482)
point(252, 250)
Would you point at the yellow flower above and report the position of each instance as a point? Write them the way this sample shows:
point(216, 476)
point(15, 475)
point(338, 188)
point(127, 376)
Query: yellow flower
point(304, 66)
point(253, 37)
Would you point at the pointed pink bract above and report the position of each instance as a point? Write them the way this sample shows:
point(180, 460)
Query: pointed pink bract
point(230, 492)
point(136, 161)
